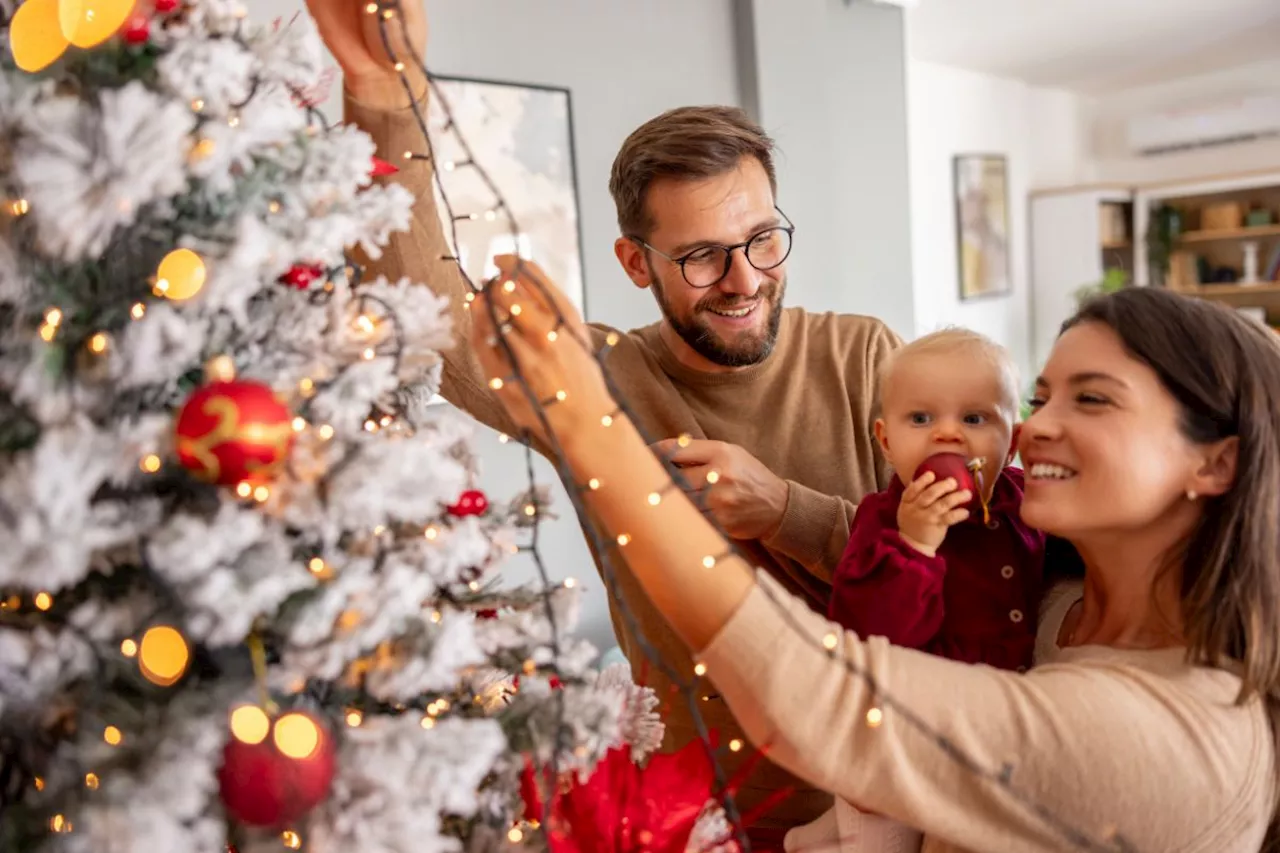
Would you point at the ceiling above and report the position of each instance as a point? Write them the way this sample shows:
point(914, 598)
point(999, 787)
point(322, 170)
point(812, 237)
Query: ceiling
point(1095, 46)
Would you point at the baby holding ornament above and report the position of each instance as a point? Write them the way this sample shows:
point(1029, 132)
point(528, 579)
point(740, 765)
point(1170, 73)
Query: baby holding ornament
point(939, 561)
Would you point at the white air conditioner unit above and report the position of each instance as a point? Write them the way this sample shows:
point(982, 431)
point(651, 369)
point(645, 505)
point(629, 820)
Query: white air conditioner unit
point(1240, 120)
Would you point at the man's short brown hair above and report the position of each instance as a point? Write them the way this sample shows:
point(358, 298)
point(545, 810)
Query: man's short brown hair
point(684, 143)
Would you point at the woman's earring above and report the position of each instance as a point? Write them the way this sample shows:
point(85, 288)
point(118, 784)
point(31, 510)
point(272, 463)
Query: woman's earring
point(1191, 495)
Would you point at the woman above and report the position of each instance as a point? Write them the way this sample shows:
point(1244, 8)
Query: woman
point(1153, 449)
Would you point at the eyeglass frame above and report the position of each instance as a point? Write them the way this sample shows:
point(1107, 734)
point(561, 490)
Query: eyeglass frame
point(790, 228)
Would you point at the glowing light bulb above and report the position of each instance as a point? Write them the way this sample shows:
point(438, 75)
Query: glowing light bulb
point(98, 343)
point(261, 494)
point(735, 745)
point(354, 718)
point(244, 490)
point(128, 648)
point(36, 39)
point(570, 583)
point(829, 642)
point(43, 600)
point(138, 311)
point(875, 717)
point(220, 368)
point(163, 655)
point(713, 477)
point(150, 463)
point(654, 499)
point(291, 839)
point(180, 275)
point(515, 836)
point(296, 736)
point(624, 539)
point(299, 424)
point(700, 669)
point(86, 23)
point(112, 735)
point(91, 781)
point(250, 724)
point(607, 420)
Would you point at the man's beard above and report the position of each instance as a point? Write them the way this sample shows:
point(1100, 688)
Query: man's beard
point(703, 339)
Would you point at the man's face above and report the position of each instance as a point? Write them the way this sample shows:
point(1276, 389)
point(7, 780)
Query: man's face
point(734, 322)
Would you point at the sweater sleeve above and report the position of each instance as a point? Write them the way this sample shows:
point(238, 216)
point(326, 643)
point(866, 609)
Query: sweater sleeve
point(1008, 761)
point(881, 347)
point(883, 587)
point(423, 254)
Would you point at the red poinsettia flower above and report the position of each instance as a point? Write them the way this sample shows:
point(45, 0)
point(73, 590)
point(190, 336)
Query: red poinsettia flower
point(625, 808)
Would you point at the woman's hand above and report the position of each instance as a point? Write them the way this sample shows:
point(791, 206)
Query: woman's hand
point(534, 348)
point(354, 37)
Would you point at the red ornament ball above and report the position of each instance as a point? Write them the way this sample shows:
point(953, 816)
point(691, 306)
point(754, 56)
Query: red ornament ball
point(470, 502)
point(954, 466)
point(275, 771)
point(166, 6)
point(231, 432)
point(302, 276)
point(137, 30)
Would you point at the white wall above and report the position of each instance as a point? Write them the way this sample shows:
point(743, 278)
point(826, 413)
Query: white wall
point(624, 62)
point(1107, 116)
point(828, 80)
point(953, 111)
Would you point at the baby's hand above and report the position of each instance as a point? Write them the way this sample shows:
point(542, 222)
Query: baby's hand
point(928, 509)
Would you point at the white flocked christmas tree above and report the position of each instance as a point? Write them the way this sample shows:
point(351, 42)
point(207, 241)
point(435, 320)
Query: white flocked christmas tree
point(249, 595)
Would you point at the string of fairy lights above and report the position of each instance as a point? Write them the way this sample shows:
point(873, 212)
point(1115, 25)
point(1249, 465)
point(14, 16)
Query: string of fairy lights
point(1002, 776)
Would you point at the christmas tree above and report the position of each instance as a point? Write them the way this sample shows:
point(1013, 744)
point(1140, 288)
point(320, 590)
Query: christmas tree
point(248, 590)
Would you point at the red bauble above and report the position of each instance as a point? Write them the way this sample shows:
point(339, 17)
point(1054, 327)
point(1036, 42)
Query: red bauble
point(262, 786)
point(137, 30)
point(166, 6)
point(382, 167)
point(954, 466)
point(470, 502)
point(231, 432)
point(302, 276)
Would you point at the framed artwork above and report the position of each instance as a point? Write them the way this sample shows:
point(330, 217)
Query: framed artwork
point(522, 136)
point(982, 225)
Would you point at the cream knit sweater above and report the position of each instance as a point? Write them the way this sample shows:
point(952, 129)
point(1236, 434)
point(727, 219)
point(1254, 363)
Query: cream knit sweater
point(1132, 745)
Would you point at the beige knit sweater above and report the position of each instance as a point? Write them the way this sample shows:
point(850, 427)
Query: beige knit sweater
point(1136, 745)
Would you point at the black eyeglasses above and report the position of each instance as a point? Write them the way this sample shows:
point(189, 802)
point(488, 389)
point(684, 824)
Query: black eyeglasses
point(706, 266)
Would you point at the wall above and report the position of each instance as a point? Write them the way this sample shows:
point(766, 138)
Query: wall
point(829, 82)
point(1107, 116)
point(1040, 131)
point(674, 52)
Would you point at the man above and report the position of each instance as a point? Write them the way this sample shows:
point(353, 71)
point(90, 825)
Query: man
point(777, 401)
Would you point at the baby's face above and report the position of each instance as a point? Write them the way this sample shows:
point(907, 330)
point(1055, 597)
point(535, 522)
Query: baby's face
point(944, 403)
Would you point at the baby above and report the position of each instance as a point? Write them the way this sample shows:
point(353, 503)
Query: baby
point(921, 570)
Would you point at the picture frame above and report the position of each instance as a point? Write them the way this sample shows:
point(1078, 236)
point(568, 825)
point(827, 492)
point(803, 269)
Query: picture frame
point(521, 134)
point(983, 247)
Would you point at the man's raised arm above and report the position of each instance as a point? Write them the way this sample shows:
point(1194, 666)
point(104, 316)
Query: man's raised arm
point(375, 100)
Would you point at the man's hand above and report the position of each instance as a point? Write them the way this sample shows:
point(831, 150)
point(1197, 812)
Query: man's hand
point(744, 497)
point(354, 37)
point(928, 509)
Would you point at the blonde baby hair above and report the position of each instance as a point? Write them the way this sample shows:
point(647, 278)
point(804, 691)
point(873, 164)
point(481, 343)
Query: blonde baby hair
point(954, 340)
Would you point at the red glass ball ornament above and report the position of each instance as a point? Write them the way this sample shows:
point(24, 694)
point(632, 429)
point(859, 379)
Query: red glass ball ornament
point(382, 167)
point(231, 432)
point(302, 276)
point(270, 783)
point(137, 30)
point(166, 6)
point(470, 502)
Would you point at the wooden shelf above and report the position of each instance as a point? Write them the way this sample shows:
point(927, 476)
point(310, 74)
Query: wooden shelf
point(1266, 288)
point(1230, 234)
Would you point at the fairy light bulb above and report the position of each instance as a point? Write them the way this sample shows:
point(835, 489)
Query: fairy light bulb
point(713, 477)
point(244, 490)
point(98, 343)
point(708, 562)
point(654, 499)
point(181, 275)
point(515, 836)
point(354, 718)
point(91, 781)
point(112, 736)
point(874, 717)
point(220, 368)
point(150, 463)
point(36, 39)
point(829, 642)
point(87, 23)
point(624, 539)
point(250, 724)
point(296, 736)
point(18, 207)
point(735, 745)
point(163, 655)
point(700, 669)
point(138, 311)
point(43, 601)
point(291, 839)
point(128, 648)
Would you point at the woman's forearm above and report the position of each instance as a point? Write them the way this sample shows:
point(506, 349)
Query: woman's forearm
point(680, 558)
